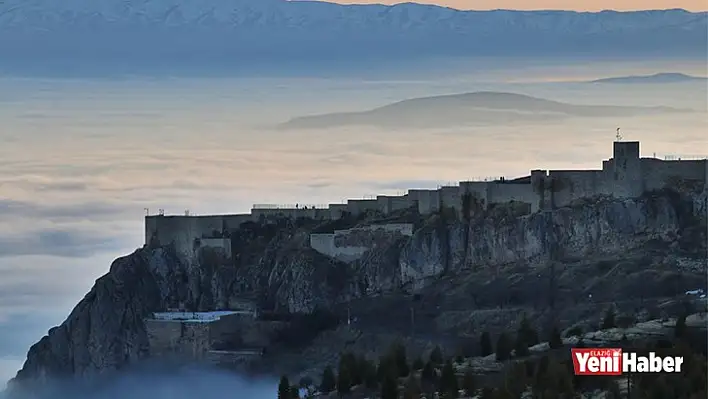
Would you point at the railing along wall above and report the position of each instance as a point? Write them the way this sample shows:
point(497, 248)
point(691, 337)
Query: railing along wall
point(289, 206)
point(685, 157)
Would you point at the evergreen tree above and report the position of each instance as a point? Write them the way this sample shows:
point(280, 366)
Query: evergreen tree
point(294, 392)
point(659, 389)
point(613, 391)
point(344, 381)
point(356, 370)
point(521, 347)
point(389, 387)
point(436, 356)
point(349, 362)
point(530, 368)
point(360, 365)
point(485, 344)
point(400, 359)
point(555, 341)
point(527, 332)
point(386, 366)
point(487, 393)
point(680, 327)
point(418, 363)
point(688, 307)
point(448, 381)
point(609, 320)
point(469, 383)
point(411, 389)
point(624, 340)
point(370, 378)
point(329, 381)
point(574, 331)
point(564, 383)
point(468, 348)
point(516, 380)
point(428, 373)
point(503, 347)
point(305, 382)
point(284, 388)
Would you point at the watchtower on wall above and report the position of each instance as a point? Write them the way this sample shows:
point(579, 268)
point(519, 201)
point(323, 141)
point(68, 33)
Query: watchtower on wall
point(626, 169)
point(625, 175)
point(540, 187)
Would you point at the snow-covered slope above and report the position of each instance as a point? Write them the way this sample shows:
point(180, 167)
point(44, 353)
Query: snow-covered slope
point(280, 29)
point(282, 14)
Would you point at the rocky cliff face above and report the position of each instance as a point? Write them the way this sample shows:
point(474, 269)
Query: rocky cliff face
point(498, 237)
point(274, 266)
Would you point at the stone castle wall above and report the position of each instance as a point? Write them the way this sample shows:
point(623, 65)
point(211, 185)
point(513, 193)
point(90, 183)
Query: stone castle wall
point(220, 245)
point(178, 340)
point(390, 203)
point(182, 231)
point(657, 173)
point(625, 175)
point(499, 193)
point(196, 340)
point(351, 244)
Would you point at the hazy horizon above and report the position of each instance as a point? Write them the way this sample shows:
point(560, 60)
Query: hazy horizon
point(81, 158)
point(622, 5)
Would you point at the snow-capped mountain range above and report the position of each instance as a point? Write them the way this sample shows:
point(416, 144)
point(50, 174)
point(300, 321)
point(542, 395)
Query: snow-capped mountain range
point(280, 29)
point(304, 15)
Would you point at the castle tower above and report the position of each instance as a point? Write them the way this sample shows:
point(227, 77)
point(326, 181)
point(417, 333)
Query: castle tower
point(626, 169)
point(539, 185)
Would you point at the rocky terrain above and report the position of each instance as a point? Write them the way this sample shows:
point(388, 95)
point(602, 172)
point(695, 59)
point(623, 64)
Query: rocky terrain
point(455, 277)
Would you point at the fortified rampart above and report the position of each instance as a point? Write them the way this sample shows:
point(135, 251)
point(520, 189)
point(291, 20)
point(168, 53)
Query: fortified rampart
point(625, 175)
point(351, 244)
point(204, 336)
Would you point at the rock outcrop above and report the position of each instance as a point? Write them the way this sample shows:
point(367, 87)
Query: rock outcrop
point(275, 267)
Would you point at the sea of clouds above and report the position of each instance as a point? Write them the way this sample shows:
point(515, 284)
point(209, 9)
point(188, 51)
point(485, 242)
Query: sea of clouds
point(81, 160)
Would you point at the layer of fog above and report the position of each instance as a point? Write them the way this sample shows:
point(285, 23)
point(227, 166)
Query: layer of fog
point(81, 159)
point(147, 382)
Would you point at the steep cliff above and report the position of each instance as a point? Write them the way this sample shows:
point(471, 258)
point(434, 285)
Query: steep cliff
point(274, 266)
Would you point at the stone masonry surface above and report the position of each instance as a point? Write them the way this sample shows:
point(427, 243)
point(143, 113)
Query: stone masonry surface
point(351, 244)
point(197, 336)
point(625, 175)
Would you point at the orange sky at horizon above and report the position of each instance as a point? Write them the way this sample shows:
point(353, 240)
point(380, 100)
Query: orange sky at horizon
point(585, 5)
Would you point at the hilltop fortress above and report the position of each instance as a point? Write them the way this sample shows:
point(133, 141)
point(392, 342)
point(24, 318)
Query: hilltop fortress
point(625, 175)
point(231, 331)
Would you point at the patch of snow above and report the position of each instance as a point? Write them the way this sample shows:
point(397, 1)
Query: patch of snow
point(541, 347)
point(406, 17)
point(697, 320)
point(196, 317)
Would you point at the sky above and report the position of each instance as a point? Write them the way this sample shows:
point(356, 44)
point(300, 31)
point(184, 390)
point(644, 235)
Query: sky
point(580, 5)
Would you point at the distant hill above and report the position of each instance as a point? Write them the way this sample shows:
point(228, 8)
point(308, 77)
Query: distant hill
point(665, 77)
point(478, 108)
